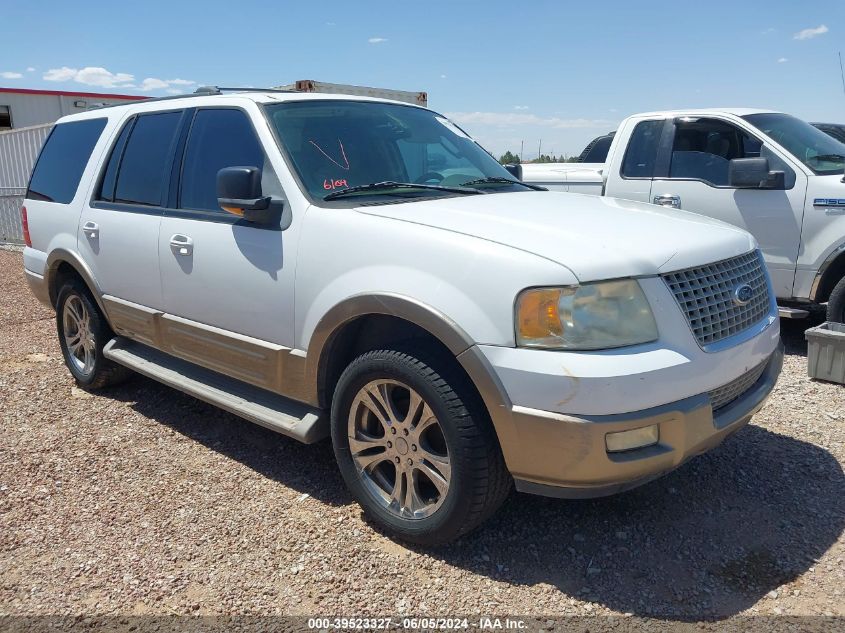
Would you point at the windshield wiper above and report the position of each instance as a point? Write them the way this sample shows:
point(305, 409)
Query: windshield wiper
point(500, 179)
point(389, 184)
point(830, 157)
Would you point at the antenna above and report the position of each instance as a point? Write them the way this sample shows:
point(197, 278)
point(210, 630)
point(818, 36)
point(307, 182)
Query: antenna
point(842, 71)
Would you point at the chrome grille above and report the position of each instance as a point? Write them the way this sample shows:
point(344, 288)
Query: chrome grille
point(726, 394)
point(706, 295)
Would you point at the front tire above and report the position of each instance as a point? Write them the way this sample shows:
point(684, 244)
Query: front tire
point(83, 331)
point(415, 446)
point(836, 303)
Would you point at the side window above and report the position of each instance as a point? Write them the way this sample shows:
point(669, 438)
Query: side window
point(141, 178)
point(63, 159)
point(110, 175)
point(703, 148)
point(220, 138)
point(642, 150)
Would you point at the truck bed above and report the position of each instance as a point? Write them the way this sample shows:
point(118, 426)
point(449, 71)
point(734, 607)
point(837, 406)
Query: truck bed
point(571, 177)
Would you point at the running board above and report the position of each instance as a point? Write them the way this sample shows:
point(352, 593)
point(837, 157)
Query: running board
point(263, 407)
point(792, 313)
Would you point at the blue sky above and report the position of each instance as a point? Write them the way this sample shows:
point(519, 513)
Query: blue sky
point(508, 72)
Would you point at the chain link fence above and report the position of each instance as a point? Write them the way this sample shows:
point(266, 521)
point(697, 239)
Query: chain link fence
point(11, 199)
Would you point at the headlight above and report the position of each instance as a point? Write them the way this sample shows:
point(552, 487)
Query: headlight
point(592, 316)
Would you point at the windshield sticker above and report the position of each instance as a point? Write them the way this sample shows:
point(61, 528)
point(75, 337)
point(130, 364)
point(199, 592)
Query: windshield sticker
point(452, 127)
point(342, 153)
point(329, 184)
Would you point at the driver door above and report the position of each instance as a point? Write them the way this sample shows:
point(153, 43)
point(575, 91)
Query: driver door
point(695, 178)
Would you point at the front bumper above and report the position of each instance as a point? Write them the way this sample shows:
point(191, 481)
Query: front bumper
point(566, 456)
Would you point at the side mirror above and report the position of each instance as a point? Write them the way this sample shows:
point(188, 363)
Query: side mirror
point(753, 173)
point(515, 170)
point(239, 193)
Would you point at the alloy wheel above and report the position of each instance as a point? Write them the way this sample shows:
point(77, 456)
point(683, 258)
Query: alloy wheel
point(399, 449)
point(79, 340)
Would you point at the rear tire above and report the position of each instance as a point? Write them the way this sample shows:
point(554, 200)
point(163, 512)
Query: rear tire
point(83, 331)
point(415, 445)
point(836, 303)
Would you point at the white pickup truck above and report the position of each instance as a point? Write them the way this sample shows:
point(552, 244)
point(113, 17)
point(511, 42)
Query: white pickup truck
point(770, 173)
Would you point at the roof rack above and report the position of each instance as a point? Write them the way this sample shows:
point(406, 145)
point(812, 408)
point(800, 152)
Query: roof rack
point(202, 91)
point(217, 90)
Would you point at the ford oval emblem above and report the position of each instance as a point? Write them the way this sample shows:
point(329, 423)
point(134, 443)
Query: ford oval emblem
point(743, 294)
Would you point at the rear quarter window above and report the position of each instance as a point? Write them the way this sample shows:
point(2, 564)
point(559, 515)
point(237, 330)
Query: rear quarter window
point(642, 150)
point(63, 159)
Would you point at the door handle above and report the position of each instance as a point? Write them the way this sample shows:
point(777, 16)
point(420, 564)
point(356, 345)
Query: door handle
point(182, 245)
point(91, 230)
point(668, 200)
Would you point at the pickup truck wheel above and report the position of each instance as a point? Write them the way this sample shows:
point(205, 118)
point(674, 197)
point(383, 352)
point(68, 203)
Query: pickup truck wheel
point(83, 332)
point(422, 460)
point(836, 303)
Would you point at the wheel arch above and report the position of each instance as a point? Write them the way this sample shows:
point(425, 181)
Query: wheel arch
point(830, 272)
point(62, 264)
point(363, 321)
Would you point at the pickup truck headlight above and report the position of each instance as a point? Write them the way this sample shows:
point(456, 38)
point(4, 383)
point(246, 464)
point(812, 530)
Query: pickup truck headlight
point(591, 316)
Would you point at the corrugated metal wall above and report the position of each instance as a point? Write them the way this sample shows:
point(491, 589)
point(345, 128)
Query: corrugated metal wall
point(18, 152)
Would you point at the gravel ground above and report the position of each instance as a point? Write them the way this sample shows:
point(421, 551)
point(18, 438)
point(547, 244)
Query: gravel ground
point(141, 500)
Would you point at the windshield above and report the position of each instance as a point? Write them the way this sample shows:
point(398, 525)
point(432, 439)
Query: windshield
point(336, 146)
point(818, 151)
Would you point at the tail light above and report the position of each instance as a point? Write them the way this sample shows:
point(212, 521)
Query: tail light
point(26, 238)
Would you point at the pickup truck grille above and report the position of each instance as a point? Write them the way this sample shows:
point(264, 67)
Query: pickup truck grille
point(706, 294)
point(726, 394)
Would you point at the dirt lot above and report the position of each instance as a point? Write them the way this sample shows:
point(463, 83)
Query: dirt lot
point(141, 500)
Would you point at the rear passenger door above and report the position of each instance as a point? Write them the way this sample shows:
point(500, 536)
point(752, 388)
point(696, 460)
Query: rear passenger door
point(227, 283)
point(118, 230)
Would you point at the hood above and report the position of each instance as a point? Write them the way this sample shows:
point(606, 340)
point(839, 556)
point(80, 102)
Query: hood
point(594, 237)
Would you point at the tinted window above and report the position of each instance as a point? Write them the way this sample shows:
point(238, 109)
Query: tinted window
point(218, 139)
point(63, 159)
point(703, 148)
point(146, 159)
point(642, 150)
point(110, 175)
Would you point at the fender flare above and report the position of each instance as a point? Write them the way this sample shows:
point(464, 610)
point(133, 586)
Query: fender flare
point(407, 308)
point(63, 256)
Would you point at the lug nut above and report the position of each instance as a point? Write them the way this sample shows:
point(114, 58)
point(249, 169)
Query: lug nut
point(410, 461)
point(413, 447)
point(398, 460)
point(390, 445)
point(393, 430)
point(405, 431)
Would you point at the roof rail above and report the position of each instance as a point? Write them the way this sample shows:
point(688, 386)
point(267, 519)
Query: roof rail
point(216, 90)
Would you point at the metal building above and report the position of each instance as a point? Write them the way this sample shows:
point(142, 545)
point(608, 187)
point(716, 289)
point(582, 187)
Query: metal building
point(22, 107)
point(26, 117)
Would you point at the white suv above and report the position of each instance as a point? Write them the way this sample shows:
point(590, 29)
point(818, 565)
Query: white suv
point(360, 268)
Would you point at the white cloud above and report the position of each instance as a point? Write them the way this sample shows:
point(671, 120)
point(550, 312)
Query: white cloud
point(10, 75)
point(513, 119)
point(96, 76)
point(808, 34)
point(90, 76)
point(768, 31)
point(782, 60)
point(30, 69)
point(377, 40)
point(443, 76)
point(153, 83)
point(520, 107)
